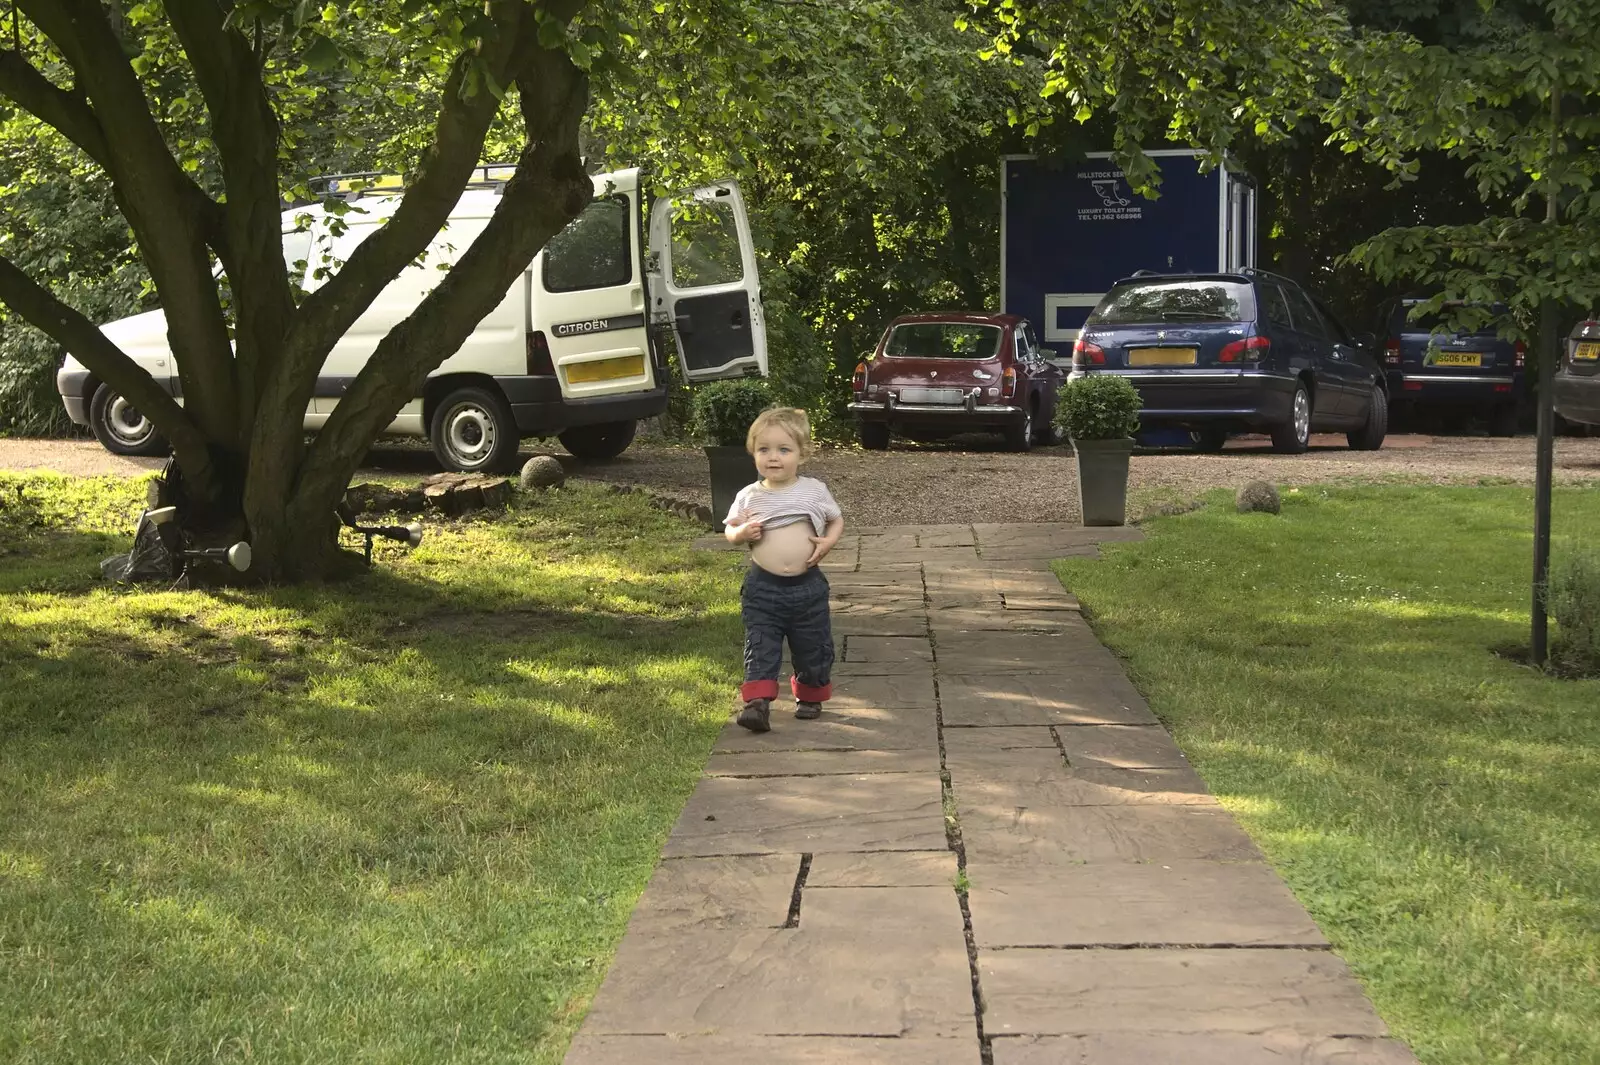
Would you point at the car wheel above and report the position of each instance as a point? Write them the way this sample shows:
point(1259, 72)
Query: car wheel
point(874, 436)
point(604, 441)
point(120, 428)
point(1019, 435)
point(1503, 422)
point(473, 432)
point(1294, 435)
point(1370, 436)
point(1208, 441)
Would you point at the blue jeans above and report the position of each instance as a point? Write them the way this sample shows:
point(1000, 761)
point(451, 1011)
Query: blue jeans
point(786, 608)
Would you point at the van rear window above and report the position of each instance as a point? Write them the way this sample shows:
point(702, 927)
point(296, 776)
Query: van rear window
point(943, 340)
point(1140, 302)
point(593, 251)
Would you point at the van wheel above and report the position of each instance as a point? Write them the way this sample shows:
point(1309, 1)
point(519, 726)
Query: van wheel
point(120, 428)
point(874, 436)
point(473, 432)
point(1294, 435)
point(604, 441)
point(1370, 436)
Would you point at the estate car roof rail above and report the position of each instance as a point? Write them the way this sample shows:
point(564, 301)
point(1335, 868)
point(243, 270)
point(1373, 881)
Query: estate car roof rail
point(357, 183)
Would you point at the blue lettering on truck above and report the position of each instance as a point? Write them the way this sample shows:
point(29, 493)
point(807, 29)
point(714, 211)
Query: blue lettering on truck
point(1071, 230)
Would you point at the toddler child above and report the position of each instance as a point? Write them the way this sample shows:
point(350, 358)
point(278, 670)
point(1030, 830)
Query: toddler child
point(791, 523)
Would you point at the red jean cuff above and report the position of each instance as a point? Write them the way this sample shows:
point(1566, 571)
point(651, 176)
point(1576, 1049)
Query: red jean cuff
point(807, 694)
point(758, 689)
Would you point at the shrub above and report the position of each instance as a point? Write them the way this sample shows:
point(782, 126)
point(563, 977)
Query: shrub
point(1574, 597)
point(723, 410)
point(1098, 407)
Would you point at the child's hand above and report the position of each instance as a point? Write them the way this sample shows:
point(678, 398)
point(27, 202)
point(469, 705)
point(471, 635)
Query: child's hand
point(820, 546)
point(748, 533)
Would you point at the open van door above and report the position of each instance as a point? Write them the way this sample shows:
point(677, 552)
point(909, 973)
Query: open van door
point(703, 282)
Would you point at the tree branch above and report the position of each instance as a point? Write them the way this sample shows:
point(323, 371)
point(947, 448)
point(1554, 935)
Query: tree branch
point(549, 189)
point(158, 200)
point(245, 130)
point(68, 113)
point(41, 309)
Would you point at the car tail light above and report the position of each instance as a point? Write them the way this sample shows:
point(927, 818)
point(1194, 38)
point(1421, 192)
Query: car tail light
point(1520, 358)
point(1502, 388)
point(1085, 353)
point(1008, 381)
point(1391, 351)
point(1253, 349)
point(539, 364)
point(858, 380)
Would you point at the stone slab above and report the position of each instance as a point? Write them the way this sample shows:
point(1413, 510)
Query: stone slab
point(688, 895)
point(852, 692)
point(1027, 699)
point(875, 552)
point(880, 622)
point(1137, 903)
point(821, 763)
point(1051, 785)
point(1001, 739)
point(1023, 652)
point(1035, 601)
point(1120, 747)
point(931, 912)
point(883, 869)
point(1041, 550)
point(949, 622)
point(1081, 992)
point(769, 1050)
point(1270, 1048)
point(733, 815)
point(1029, 764)
point(912, 651)
point(946, 536)
point(788, 981)
point(904, 729)
point(1011, 833)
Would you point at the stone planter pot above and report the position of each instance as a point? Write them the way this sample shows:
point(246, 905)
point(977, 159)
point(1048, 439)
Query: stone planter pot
point(731, 469)
point(1103, 480)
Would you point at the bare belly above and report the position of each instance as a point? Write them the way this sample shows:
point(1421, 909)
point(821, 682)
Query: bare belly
point(784, 550)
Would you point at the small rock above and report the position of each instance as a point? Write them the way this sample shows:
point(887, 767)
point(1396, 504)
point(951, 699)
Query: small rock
point(1258, 496)
point(543, 471)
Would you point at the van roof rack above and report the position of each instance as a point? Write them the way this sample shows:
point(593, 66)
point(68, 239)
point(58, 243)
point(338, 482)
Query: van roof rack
point(358, 183)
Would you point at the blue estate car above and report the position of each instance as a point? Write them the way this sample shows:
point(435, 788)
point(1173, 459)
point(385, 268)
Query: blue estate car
point(1237, 352)
point(1475, 372)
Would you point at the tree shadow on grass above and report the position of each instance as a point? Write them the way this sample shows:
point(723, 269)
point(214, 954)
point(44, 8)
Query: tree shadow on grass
point(393, 816)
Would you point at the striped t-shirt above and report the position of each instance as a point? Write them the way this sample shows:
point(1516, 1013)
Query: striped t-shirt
point(808, 499)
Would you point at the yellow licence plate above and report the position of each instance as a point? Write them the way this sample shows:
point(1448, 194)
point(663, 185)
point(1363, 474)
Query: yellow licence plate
point(1456, 358)
point(1588, 351)
point(582, 373)
point(1161, 356)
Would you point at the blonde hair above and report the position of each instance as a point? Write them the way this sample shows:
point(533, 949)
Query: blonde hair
point(791, 420)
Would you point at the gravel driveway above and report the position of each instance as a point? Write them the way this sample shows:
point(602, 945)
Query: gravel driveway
point(976, 481)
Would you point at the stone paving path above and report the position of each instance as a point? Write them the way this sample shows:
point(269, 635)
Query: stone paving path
point(806, 910)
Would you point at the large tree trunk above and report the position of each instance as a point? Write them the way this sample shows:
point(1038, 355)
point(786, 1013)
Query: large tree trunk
point(238, 437)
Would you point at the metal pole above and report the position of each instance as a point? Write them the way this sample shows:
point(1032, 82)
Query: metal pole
point(1549, 354)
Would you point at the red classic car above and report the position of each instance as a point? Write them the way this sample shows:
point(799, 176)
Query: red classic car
point(935, 375)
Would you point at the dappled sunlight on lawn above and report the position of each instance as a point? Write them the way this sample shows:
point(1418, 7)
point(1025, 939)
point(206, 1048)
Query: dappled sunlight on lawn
point(1329, 673)
point(352, 808)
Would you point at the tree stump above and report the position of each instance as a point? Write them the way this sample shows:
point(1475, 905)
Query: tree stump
point(455, 494)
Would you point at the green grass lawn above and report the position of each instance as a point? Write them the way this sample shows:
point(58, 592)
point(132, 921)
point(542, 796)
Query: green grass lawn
point(1436, 808)
point(399, 819)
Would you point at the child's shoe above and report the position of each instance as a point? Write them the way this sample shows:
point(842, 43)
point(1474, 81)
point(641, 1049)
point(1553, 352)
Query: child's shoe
point(755, 715)
point(807, 711)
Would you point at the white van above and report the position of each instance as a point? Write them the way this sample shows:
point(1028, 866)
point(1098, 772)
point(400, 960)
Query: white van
point(571, 351)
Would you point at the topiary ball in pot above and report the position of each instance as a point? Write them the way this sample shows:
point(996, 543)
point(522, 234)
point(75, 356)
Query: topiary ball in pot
point(1100, 413)
point(1098, 407)
point(723, 411)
